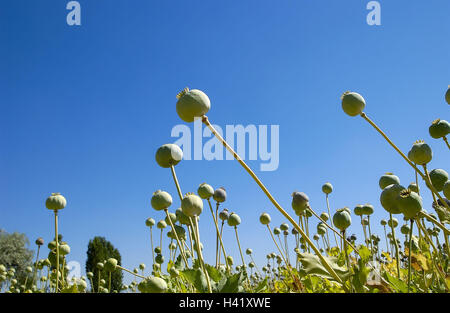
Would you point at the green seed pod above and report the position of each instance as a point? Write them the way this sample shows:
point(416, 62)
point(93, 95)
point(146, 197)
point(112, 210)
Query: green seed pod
point(90, 275)
point(161, 200)
point(299, 201)
point(29, 269)
point(388, 198)
point(168, 155)
point(182, 218)
point(249, 251)
point(353, 103)
point(142, 266)
point(265, 219)
point(64, 249)
point(276, 231)
point(420, 153)
point(324, 216)
point(347, 209)
point(342, 219)
point(100, 265)
point(192, 104)
point(39, 241)
point(413, 187)
point(388, 179)
point(174, 272)
point(367, 209)
point(233, 220)
point(161, 224)
point(173, 217)
point(230, 260)
point(152, 285)
point(223, 215)
point(393, 222)
point(220, 195)
point(409, 203)
point(383, 222)
point(192, 205)
point(358, 210)
point(158, 250)
point(438, 178)
point(365, 222)
point(321, 229)
point(405, 229)
point(251, 265)
point(56, 202)
point(446, 189)
point(294, 231)
point(307, 212)
point(316, 237)
point(111, 265)
point(181, 233)
point(172, 246)
point(284, 227)
point(159, 259)
point(149, 222)
point(327, 188)
point(439, 129)
point(447, 95)
point(205, 191)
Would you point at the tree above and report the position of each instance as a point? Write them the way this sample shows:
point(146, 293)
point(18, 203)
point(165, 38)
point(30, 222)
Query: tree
point(14, 253)
point(100, 250)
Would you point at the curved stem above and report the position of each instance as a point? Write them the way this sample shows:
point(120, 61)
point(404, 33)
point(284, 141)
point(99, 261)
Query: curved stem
point(176, 237)
point(220, 238)
point(153, 250)
point(221, 231)
point(274, 202)
point(240, 250)
point(395, 245)
point(331, 219)
point(446, 141)
point(35, 266)
point(133, 273)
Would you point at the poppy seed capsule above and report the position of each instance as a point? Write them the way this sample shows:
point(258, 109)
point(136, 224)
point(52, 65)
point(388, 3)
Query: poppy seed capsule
point(172, 216)
point(205, 191)
point(234, 220)
point(299, 201)
point(388, 198)
point(149, 222)
point(365, 222)
point(324, 216)
point(447, 95)
point(192, 104)
point(182, 218)
point(420, 153)
point(321, 229)
point(220, 195)
point(158, 250)
point(248, 251)
point(327, 188)
point(358, 210)
point(56, 202)
point(168, 155)
point(409, 203)
point(383, 222)
point(161, 224)
point(276, 231)
point(111, 265)
point(192, 205)
point(159, 259)
point(152, 285)
point(353, 103)
point(413, 187)
point(294, 231)
point(284, 227)
point(388, 179)
point(393, 222)
point(161, 200)
point(223, 215)
point(342, 219)
point(39, 241)
point(316, 237)
point(446, 189)
point(438, 178)
point(265, 219)
point(405, 229)
point(439, 129)
point(367, 209)
point(100, 265)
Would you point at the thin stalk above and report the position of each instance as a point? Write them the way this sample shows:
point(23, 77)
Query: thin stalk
point(109, 282)
point(240, 250)
point(385, 237)
point(199, 253)
point(176, 237)
point(409, 254)
point(153, 250)
point(331, 219)
point(221, 231)
point(57, 250)
point(446, 142)
point(160, 240)
point(274, 202)
point(131, 272)
point(395, 245)
point(273, 238)
point(220, 239)
point(35, 265)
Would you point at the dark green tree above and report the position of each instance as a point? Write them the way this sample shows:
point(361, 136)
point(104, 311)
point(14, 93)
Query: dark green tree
point(14, 253)
point(100, 250)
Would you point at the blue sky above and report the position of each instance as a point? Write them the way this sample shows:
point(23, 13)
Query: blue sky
point(84, 108)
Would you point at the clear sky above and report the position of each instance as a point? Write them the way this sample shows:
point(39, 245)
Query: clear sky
point(84, 108)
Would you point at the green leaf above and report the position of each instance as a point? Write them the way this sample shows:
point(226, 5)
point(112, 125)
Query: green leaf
point(70, 289)
point(213, 273)
point(312, 265)
point(396, 283)
point(364, 252)
point(196, 278)
point(232, 283)
point(261, 286)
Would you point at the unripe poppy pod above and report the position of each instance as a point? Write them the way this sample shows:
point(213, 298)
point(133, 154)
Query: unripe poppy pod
point(446, 189)
point(327, 188)
point(234, 220)
point(438, 178)
point(192, 205)
point(393, 222)
point(39, 241)
point(220, 195)
point(205, 191)
point(284, 227)
point(342, 219)
point(367, 209)
point(161, 224)
point(299, 201)
point(388, 198)
point(324, 216)
point(358, 210)
point(168, 155)
point(223, 215)
point(413, 187)
point(192, 104)
point(352, 103)
point(447, 95)
point(152, 285)
point(161, 200)
point(439, 129)
point(388, 179)
point(410, 203)
point(110, 265)
point(264, 219)
point(276, 231)
point(149, 222)
point(56, 202)
point(420, 153)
